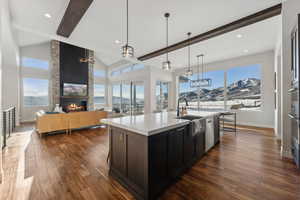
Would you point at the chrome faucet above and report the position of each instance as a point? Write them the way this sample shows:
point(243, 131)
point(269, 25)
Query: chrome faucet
point(186, 104)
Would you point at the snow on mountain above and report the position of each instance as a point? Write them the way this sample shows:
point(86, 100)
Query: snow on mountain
point(242, 89)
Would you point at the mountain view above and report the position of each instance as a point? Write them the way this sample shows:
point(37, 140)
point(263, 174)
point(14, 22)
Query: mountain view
point(246, 93)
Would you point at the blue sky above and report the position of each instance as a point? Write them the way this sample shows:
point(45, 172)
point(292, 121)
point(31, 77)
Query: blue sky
point(233, 74)
point(239, 73)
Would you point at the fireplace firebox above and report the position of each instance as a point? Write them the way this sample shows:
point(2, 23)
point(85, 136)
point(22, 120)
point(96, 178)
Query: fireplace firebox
point(73, 104)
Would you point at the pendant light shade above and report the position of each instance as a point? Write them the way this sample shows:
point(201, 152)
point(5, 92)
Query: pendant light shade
point(166, 65)
point(189, 71)
point(127, 50)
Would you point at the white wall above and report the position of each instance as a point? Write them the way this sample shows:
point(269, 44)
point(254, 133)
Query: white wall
point(41, 52)
point(10, 61)
point(264, 117)
point(277, 68)
point(1, 121)
point(290, 9)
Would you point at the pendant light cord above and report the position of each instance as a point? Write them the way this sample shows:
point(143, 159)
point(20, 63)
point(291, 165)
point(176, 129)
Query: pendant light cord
point(167, 37)
point(198, 71)
point(202, 68)
point(189, 51)
point(127, 20)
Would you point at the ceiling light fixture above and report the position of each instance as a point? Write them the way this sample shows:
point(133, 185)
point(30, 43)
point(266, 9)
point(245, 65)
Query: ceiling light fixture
point(246, 51)
point(127, 50)
point(200, 82)
point(87, 58)
point(47, 15)
point(166, 65)
point(117, 41)
point(239, 35)
point(189, 71)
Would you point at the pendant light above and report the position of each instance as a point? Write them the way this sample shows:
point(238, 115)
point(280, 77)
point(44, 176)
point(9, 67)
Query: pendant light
point(127, 50)
point(167, 64)
point(201, 82)
point(189, 71)
point(87, 58)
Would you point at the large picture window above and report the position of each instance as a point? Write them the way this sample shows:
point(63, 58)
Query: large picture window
point(35, 92)
point(211, 98)
point(244, 88)
point(99, 94)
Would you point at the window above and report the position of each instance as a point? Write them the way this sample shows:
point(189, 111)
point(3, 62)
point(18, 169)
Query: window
point(126, 97)
point(99, 94)
point(129, 97)
point(126, 69)
point(244, 88)
point(35, 92)
point(35, 63)
point(162, 95)
point(137, 67)
point(139, 97)
point(116, 97)
point(210, 98)
point(115, 73)
point(99, 73)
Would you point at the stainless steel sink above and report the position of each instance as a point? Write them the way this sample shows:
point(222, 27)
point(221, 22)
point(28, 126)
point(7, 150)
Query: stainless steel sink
point(189, 117)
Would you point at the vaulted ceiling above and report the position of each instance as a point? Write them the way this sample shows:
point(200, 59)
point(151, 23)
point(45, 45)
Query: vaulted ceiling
point(104, 22)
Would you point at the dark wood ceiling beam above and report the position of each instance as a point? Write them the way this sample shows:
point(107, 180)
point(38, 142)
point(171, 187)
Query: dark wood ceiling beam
point(75, 11)
point(251, 19)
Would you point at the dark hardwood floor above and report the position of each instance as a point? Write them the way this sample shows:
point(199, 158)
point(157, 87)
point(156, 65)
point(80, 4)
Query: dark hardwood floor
point(62, 166)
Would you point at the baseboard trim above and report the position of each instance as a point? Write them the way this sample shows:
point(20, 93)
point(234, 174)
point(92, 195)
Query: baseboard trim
point(255, 125)
point(250, 126)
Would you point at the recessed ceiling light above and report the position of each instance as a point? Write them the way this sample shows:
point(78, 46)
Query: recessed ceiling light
point(47, 15)
point(117, 41)
point(239, 35)
point(246, 51)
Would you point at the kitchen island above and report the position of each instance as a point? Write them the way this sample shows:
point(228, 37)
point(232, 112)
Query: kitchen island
point(149, 152)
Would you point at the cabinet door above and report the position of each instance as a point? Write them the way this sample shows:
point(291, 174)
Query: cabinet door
point(158, 163)
point(118, 151)
point(176, 152)
point(189, 146)
point(200, 147)
point(137, 161)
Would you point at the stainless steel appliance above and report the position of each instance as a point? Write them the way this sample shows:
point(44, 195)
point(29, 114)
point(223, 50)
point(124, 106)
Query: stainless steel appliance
point(209, 134)
point(294, 93)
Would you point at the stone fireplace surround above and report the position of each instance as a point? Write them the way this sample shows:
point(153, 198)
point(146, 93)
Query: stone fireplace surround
point(88, 102)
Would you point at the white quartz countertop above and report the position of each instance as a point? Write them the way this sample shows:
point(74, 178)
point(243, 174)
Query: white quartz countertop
point(148, 124)
point(151, 124)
